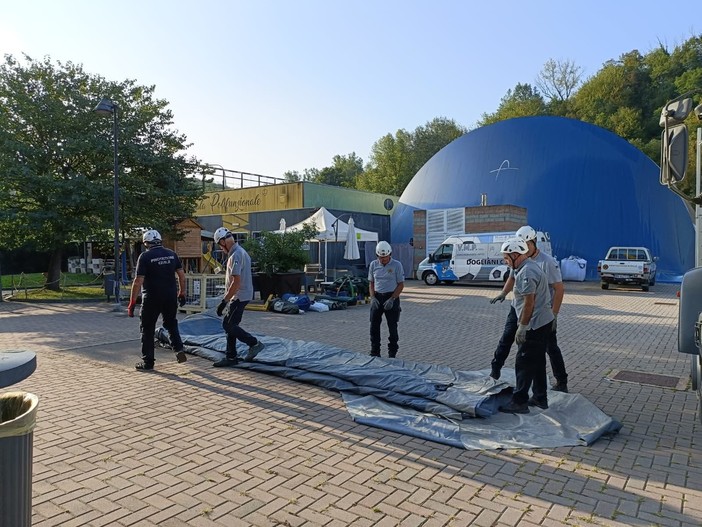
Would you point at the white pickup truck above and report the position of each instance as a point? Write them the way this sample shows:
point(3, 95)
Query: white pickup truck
point(629, 266)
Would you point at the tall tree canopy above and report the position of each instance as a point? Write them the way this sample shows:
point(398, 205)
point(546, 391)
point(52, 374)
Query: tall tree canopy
point(396, 159)
point(56, 158)
point(625, 96)
point(342, 172)
point(523, 101)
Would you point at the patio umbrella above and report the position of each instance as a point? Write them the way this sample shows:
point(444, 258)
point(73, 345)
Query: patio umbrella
point(282, 225)
point(351, 251)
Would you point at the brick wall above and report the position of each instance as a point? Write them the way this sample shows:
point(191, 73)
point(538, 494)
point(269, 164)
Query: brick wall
point(495, 218)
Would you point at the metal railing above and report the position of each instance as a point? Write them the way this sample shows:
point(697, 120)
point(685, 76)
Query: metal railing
point(236, 179)
point(202, 292)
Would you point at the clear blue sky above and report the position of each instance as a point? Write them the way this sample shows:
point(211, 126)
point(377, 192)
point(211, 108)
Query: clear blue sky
point(266, 86)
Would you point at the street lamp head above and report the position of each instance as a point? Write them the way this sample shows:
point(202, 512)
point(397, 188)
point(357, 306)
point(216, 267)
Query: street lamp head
point(105, 107)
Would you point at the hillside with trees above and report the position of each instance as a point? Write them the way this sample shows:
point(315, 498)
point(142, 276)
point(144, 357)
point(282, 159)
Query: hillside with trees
point(625, 96)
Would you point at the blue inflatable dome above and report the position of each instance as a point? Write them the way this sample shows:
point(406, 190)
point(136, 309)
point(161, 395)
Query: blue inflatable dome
point(587, 187)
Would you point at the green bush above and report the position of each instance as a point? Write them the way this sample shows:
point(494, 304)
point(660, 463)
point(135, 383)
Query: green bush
point(275, 252)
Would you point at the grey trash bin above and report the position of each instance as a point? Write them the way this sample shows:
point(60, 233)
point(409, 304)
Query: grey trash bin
point(18, 412)
point(109, 285)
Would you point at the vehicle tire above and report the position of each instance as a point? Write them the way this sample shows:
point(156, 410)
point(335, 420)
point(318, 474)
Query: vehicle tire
point(430, 278)
point(604, 285)
point(653, 280)
point(644, 288)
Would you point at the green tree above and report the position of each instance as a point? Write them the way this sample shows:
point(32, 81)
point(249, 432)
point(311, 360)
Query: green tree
point(276, 252)
point(396, 159)
point(427, 140)
point(557, 82)
point(343, 171)
point(56, 159)
point(523, 101)
point(291, 176)
point(390, 164)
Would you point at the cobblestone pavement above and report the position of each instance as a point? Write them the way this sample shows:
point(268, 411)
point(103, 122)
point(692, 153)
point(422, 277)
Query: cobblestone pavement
point(197, 446)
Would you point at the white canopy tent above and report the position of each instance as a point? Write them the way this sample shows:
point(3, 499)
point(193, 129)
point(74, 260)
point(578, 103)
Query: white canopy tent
point(331, 229)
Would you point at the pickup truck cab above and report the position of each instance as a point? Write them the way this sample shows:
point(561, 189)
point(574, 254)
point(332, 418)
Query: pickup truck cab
point(628, 266)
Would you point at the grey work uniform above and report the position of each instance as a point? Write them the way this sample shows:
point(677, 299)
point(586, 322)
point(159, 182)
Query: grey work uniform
point(550, 267)
point(530, 364)
point(385, 279)
point(238, 263)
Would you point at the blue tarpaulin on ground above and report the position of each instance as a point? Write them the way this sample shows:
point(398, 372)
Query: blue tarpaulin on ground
point(433, 402)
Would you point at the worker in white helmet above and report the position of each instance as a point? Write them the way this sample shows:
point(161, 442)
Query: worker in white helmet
point(238, 292)
point(156, 271)
point(532, 303)
point(387, 280)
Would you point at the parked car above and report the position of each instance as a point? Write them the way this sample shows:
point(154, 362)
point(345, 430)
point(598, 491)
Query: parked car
point(628, 266)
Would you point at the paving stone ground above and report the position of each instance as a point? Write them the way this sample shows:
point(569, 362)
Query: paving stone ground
point(191, 445)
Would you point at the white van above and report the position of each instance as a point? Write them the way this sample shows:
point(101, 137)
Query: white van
point(471, 258)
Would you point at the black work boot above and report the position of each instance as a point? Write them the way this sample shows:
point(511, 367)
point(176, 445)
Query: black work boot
point(226, 362)
point(533, 401)
point(515, 408)
point(495, 373)
point(144, 366)
point(560, 387)
point(254, 350)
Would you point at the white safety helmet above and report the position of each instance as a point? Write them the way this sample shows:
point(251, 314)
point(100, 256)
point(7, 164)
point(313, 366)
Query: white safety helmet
point(515, 245)
point(383, 249)
point(151, 237)
point(526, 233)
point(220, 234)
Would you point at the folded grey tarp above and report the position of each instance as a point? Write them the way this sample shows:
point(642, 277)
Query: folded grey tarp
point(437, 403)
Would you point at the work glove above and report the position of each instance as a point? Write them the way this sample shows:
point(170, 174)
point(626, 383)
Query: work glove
point(389, 304)
point(375, 303)
point(220, 307)
point(499, 298)
point(181, 300)
point(130, 308)
point(554, 323)
point(520, 337)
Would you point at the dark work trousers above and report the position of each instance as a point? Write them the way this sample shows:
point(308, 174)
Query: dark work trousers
point(392, 317)
point(531, 366)
point(151, 308)
point(556, 357)
point(506, 341)
point(234, 331)
point(502, 351)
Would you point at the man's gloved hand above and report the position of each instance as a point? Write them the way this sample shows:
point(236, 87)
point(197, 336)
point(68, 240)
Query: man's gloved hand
point(130, 308)
point(554, 323)
point(389, 304)
point(181, 300)
point(375, 303)
point(499, 298)
point(220, 307)
point(520, 337)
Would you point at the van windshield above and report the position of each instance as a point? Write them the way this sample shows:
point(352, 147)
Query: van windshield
point(444, 252)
